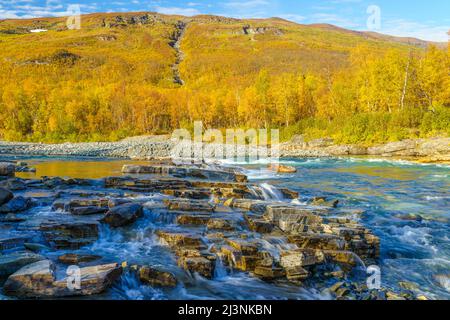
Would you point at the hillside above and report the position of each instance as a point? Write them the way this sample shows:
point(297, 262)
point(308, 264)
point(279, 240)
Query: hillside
point(137, 73)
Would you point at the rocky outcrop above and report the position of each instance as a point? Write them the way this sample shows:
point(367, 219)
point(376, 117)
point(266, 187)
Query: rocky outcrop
point(38, 280)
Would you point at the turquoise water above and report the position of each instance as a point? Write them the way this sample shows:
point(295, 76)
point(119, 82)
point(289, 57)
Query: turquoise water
point(407, 205)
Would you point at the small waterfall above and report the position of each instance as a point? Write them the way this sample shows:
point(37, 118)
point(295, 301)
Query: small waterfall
point(274, 245)
point(220, 271)
point(269, 192)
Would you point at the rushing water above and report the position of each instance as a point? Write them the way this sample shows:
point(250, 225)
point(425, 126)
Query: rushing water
point(407, 205)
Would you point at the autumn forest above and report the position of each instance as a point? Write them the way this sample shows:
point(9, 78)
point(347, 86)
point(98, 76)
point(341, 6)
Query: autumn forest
point(132, 74)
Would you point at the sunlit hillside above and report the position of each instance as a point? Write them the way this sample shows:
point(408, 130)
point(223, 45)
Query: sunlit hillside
point(143, 73)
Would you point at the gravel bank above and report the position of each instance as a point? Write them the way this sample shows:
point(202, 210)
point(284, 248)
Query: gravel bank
point(150, 147)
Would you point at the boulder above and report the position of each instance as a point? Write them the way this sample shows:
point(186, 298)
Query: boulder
point(123, 215)
point(279, 168)
point(7, 169)
point(10, 263)
point(323, 202)
point(71, 234)
point(38, 280)
point(157, 277)
point(5, 196)
point(17, 204)
point(200, 265)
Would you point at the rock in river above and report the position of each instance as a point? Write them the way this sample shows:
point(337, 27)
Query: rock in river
point(7, 169)
point(38, 280)
point(5, 196)
point(123, 215)
point(156, 277)
point(17, 204)
point(10, 263)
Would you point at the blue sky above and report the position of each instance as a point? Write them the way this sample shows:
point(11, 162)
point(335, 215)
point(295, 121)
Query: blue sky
point(429, 20)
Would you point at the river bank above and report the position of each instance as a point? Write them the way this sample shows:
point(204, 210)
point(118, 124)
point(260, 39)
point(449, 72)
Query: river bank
point(433, 150)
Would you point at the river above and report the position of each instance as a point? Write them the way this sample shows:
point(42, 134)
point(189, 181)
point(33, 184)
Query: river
point(407, 205)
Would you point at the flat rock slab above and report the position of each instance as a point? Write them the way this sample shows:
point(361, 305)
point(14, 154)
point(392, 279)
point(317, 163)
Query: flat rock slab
point(10, 263)
point(38, 280)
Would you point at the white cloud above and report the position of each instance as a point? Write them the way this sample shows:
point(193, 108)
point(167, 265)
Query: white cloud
point(405, 28)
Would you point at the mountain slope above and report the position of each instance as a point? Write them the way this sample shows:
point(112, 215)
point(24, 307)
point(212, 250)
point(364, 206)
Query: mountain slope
point(126, 74)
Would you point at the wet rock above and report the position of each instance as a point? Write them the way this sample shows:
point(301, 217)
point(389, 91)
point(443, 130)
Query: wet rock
point(275, 213)
point(188, 205)
point(269, 273)
point(73, 258)
point(188, 193)
point(13, 184)
point(301, 258)
point(279, 168)
point(12, 262)
point(36, 247)
point(299, 222)
point(175, 239)
point(238, 260)
point(12, 242)
point(297, 274)
point(342, 257)
point(7, 169)
point(70, 235)
point(38, 280)
point(220, 224)
point(289, 194)
point(82, 207)
point(256, 206)
point(123, 215)
point(193, 219)
point(318, 241)
point(323, 202)
point(258, 224)
point(5, 196)
point(244, 246)
point(185, 172)
point(17, 204)
point(199, 265)
point(157, 277)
